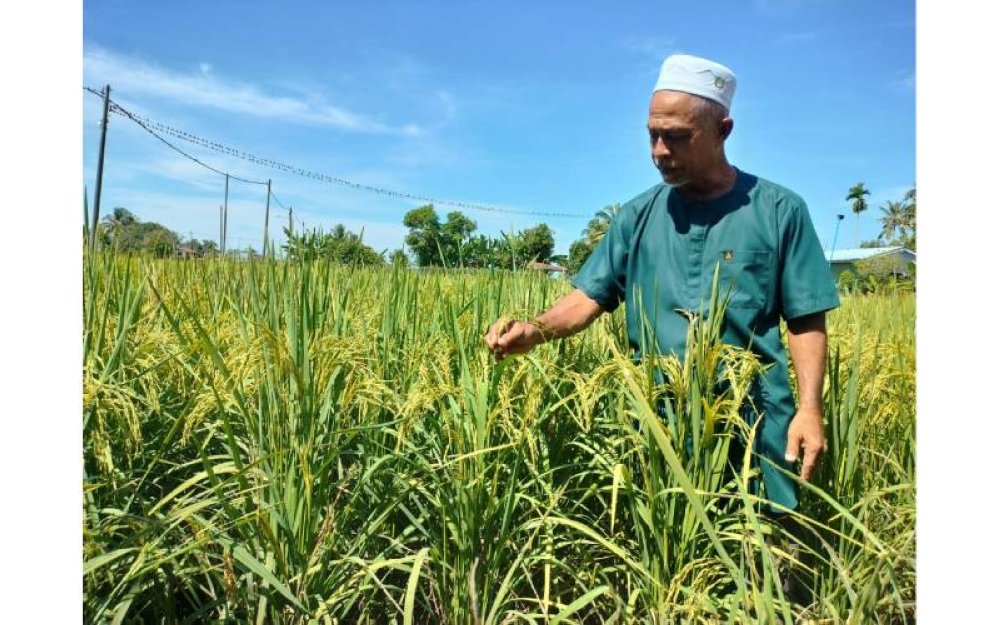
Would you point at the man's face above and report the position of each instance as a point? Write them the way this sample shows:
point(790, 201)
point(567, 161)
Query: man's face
point(683, 146)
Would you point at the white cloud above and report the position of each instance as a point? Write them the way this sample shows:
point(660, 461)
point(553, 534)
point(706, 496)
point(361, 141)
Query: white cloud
point(204, 88)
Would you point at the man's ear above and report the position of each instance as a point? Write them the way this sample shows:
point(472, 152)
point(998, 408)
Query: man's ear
point(726, 128)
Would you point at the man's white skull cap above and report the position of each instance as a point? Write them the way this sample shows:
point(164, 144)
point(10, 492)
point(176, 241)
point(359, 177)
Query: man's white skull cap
point(697, 76)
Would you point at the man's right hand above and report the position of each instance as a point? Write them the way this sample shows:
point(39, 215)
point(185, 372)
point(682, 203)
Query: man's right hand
point(507, 337)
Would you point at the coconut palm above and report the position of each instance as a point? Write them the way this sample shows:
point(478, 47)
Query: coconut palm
point(598, 226)
point(893, 218)
point(119, 217)
point(118, 220)
point(856, 196)
point(909, 226)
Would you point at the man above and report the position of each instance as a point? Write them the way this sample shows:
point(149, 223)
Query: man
point(661, 251)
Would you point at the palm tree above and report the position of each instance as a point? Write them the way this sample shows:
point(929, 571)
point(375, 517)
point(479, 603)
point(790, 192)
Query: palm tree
point(856, 195)
point(120, 216)
point(893, 218)
point(909, 225)
point(598, 226)
point(119, 219)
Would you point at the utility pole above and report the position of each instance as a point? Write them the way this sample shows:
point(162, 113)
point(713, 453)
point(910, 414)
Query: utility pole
point(289, 221)
point(267, 213)
point(220, 228)
point(833, 247)
point(100, 169)
point(225, 217)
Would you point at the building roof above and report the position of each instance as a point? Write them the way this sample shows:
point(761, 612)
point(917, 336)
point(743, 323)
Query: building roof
point(852, 254)
point(545, 266)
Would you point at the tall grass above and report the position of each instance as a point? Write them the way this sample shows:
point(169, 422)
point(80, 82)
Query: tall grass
point(267, 442)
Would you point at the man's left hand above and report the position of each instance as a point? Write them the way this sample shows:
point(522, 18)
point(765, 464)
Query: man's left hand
point(805, 434)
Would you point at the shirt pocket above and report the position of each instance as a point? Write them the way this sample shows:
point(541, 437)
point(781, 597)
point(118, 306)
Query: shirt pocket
point(747, 272)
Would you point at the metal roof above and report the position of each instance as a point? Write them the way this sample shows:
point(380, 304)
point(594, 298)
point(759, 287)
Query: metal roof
point(545, 266)
point(861, 253)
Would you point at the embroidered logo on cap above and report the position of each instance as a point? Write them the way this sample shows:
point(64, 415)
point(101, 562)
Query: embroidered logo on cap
point(727, 255)
point(720, 83)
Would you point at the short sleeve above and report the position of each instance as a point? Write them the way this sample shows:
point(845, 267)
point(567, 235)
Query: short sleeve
point(806, 282)
point(602, 277)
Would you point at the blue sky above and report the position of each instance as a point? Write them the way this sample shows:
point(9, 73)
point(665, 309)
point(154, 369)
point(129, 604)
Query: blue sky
point(524, 106)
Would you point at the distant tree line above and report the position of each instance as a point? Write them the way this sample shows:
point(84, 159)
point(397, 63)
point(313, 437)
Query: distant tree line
point(453, 243)
point(122, 231)
point(340, 245)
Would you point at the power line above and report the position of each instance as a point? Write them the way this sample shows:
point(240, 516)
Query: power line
point(277, 201)
point(149, 124)
point(116, 108)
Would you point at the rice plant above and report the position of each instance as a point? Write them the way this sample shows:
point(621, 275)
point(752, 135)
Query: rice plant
point(311, 443)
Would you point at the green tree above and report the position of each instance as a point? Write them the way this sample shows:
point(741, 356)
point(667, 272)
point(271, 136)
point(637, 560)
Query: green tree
point(424, 238)
point(305, 246)
point(398, 258)
point(893, 218)
point(127, 234)
point(909, 227)
point(579, 251)
point(596, 228)
point(353, 251)
point(115, 223)
point(340, 245)
point(899, 221)
point(536, 244)
point(120, 217)
point(879, 272)
point(483, 251)
point(159, 241)
point(455, 244)
point(455, 235)
point(856, 196)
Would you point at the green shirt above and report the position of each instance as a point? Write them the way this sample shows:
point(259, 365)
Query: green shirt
point(659, 255)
